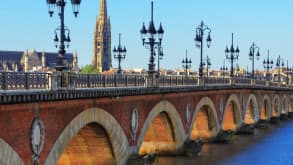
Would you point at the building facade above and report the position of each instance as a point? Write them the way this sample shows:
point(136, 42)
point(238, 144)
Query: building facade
point(31, 61)
point(102, 59)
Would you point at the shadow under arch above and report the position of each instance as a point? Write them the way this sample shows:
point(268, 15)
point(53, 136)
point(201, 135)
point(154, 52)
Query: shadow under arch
point(265, 111)
point(285, 105)
point(232, 119)
point(251, 110)
point(115, 133)
point(166, 109)
point(205, 123)
point(276, 107)
point(7, 155)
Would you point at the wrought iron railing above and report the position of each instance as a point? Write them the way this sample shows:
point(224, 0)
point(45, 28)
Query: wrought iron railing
point(216, 80)
point(22, 81)
point(260, 82)
point(177, 80)
point(242, 80)
point(55, 81)
point(104, 81)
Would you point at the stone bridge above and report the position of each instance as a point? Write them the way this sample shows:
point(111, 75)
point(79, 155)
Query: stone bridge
point(112, 125)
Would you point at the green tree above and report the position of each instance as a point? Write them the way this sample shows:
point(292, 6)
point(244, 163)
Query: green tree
point(89, 69)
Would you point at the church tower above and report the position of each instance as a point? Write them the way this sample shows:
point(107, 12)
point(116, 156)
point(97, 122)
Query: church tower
point(102, 58)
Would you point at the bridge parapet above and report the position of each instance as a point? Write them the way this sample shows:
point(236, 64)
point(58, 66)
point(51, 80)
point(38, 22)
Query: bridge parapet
point(50, 85)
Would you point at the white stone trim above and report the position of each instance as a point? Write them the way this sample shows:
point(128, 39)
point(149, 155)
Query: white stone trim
point(8, 156)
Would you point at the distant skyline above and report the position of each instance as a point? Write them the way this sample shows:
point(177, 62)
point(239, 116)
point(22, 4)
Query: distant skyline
point(268, 23)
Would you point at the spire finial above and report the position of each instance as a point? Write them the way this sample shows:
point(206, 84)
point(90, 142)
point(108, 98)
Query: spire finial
point(232, 38)
point(152, 11)
point(119, 38)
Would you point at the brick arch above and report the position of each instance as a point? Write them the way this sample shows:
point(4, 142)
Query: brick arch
point(7, 155)
point(206, 101)
point(269, 108)
point(284, 105)
point(94, 115)
point(170, 110)
point(233, 99)
point(256, 112)
point(276, 98)
point(290, 104)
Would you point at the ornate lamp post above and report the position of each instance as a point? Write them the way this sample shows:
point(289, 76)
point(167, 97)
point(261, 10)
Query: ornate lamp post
point(199, 42)
point(119, 54)
point(253, 49)
point(268, 64)
point(186, 64)
point(232, 55)
point(279, 64)
point(64, 38)
point(208, 64)
point(149, 37)
point(160, 57)
point(224, 69)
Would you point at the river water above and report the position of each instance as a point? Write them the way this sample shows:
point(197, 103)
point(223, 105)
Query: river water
point(271, 146)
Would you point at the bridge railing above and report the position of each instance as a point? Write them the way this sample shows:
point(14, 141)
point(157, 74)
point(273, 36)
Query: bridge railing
point(177, 80)
point(273, 84)
point(261, 82)
point(242, 80)
point(22, 81)
point(55, 81)
point(99, 80)
point(216, 80)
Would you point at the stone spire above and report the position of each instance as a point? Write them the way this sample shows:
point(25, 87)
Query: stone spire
point(103, 11)
point(102, 59)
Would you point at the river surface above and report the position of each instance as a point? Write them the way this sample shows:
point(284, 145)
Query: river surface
point(271, 146)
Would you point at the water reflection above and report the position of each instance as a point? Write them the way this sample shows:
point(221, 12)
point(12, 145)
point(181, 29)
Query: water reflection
point(272, 146)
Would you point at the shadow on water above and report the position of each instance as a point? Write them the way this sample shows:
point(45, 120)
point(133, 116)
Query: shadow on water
point(272, 146)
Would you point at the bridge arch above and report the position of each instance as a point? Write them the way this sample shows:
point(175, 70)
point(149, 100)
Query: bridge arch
point(251, 110)
point(232, 119)
point(205, 123)
point(7, 155)
point(165, 111)
point(276, 106)
point(285, 105)
point(265, 110)
point(290, 103)
point(93, 115)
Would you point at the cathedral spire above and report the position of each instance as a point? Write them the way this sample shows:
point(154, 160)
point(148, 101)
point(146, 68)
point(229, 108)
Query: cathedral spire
point(102, 59)
point(103, 10)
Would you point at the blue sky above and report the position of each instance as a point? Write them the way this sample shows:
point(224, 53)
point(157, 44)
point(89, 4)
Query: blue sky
point(268, 23)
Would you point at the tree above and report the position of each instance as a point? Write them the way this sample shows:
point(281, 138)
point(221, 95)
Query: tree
point(89, 69)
